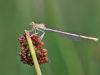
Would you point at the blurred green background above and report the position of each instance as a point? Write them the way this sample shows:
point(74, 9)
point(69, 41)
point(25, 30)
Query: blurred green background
point(66, 56)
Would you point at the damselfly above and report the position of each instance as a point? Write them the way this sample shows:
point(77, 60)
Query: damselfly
point(42, 28)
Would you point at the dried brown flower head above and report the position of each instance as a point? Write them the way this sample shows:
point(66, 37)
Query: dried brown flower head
point(25, 54)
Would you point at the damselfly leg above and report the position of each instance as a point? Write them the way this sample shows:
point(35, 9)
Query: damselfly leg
point(43, 33)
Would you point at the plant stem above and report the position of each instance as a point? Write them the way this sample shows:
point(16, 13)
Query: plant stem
point(32, 51)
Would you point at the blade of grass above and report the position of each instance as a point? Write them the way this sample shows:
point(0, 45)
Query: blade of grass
point(32, 51)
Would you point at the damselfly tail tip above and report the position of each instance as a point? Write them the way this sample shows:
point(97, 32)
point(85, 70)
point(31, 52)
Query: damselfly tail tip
point(94, 39)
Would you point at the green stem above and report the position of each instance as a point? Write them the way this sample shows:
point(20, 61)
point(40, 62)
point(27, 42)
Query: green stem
point(32, 51)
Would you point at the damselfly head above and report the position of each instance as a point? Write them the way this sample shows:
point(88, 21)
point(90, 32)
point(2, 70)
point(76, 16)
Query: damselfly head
point(38, 26)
